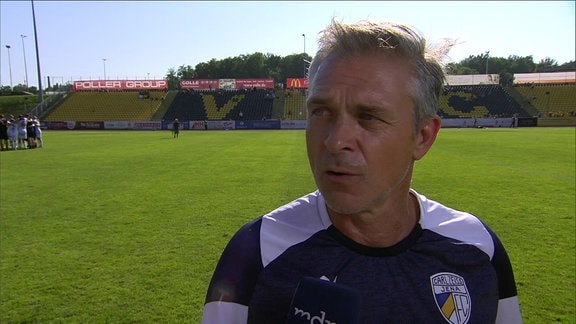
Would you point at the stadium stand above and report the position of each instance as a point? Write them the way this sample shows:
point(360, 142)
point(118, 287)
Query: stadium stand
point(476, 96)
point(479, 101)
point(221, 105)
point(107, 105)
point(551, 100)
point(187, 105)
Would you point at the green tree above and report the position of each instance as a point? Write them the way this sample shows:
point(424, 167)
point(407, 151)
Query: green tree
point(207, 70)
point(185, 72)
point(295, 66)
point(274, 63)
point(256, 66)
point(546, 65)
point(459, 69)
point(521, 64)
point(23, 88)
point(5, 90)
point(173, 81)
point(568, 66)
point(474, 63)
point(230, 67)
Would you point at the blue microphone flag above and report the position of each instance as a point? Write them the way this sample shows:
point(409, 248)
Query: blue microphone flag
point(318, 301)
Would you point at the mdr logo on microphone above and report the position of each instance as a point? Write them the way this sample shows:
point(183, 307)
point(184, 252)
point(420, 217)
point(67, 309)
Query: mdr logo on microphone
point(318, 301)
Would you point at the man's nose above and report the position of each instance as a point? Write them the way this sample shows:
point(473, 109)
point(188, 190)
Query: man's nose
point(341, 135)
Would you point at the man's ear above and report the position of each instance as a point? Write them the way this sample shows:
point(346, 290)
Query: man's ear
point(426, 136)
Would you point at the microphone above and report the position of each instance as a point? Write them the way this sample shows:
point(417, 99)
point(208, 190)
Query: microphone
point(318, 301)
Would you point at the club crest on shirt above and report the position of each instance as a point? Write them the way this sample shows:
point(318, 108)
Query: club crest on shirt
point(451, 296)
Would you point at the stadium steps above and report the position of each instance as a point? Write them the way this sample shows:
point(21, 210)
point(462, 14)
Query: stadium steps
point(278, 106)
point(522, 101)
point(168, 99)
point(294, 105)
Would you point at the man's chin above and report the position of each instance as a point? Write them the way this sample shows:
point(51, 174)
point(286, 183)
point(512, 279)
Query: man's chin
point(344, 204)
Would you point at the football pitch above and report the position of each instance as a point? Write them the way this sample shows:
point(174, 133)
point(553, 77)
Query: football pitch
point(127, 226)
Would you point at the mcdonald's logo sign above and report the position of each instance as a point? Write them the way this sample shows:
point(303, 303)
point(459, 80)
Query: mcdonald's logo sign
point(297, 83)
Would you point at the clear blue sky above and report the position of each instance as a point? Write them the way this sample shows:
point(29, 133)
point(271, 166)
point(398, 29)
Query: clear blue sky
point(141, 39)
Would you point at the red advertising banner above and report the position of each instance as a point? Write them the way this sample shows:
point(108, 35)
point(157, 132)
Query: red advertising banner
point(297, 83)
point(212, 84)
point(120, 85)
point(255, 83)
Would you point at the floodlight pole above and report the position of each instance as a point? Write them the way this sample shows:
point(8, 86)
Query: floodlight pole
point(9, 64)
point(487, 56)
point(304, 55)
point(40, 92)
point(25, 66)
point(104, 61)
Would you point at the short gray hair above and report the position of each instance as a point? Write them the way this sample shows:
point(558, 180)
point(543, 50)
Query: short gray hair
point(365, 37)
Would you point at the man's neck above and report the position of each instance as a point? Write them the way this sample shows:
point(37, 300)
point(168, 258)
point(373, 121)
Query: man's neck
point(380, 228)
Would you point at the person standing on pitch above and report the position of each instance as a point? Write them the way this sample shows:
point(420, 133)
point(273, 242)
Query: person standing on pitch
point(175, 128)
point(4, 124)
point(37, 126)
point(372, 113)
point(22, 131)
point(13, 132)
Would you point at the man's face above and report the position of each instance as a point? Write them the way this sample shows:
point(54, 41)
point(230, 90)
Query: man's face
point(360, 138)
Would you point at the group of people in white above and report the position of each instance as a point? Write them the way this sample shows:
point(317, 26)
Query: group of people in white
point(23, 132)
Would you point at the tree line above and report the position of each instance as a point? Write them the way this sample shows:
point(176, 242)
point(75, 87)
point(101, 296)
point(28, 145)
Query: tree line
point(249, 66)
point(506, 67)
point(279, 68)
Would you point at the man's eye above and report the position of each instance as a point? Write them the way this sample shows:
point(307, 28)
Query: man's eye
point(367, 117)
point(318, 112)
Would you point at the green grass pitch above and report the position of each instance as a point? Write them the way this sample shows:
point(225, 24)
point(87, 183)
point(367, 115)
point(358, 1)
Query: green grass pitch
point(126, 226)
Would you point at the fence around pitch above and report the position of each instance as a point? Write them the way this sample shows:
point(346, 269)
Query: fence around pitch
point(264, 124)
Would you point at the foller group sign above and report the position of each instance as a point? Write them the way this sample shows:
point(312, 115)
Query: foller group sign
point(120, 85)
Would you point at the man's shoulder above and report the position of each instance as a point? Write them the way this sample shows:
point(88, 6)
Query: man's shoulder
point(292, 224)
point(307, 213)
point(455, 224)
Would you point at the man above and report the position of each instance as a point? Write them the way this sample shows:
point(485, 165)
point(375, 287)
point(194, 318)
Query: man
point(22, 131)
point(373, 98)
point(4, 124)
point(31, 131)
point(38, 129)
point(13, 132)
point(175, 128)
